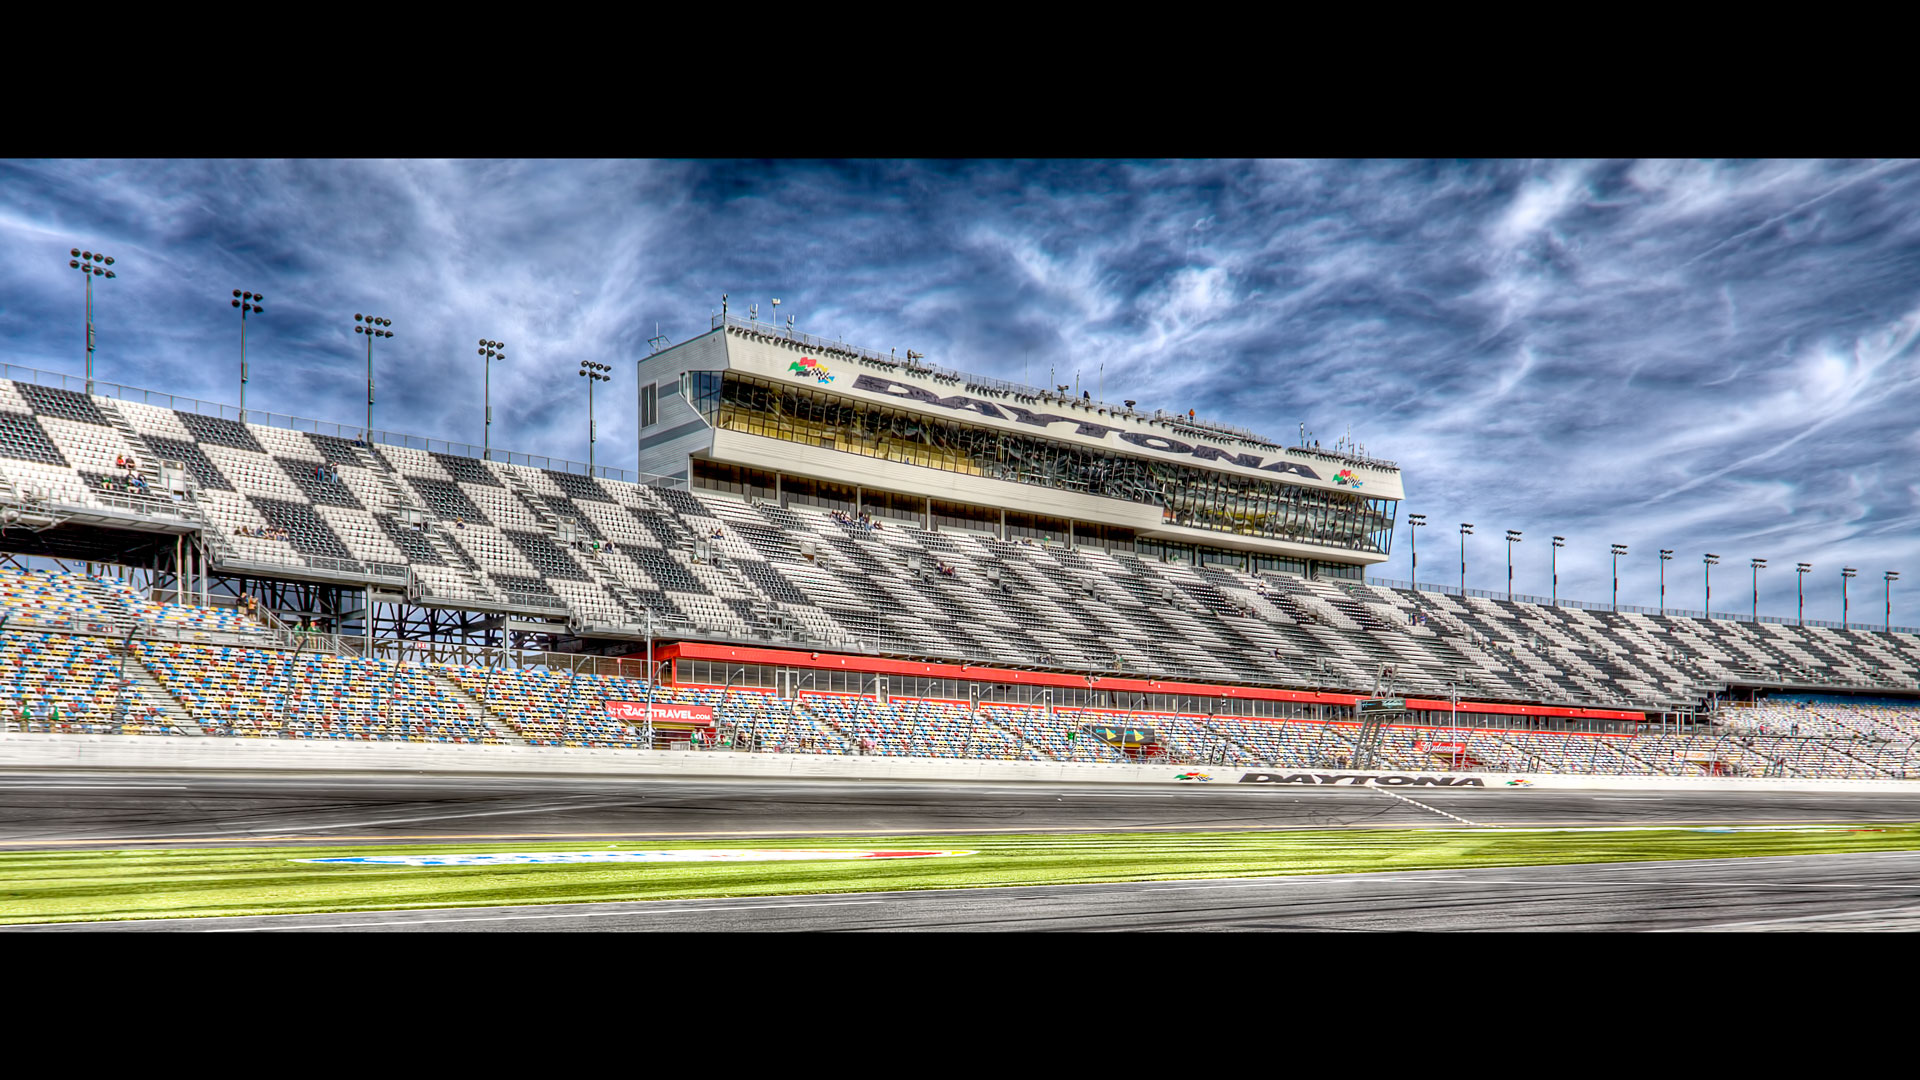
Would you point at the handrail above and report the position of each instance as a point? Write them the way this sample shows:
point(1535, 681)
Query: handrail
point(265, 418)
point(1211, 429)
point(1671, 613)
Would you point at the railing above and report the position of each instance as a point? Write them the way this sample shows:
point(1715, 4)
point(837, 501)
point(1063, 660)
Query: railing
point(1202, 428)
point(102, 388)
point(1672, 613)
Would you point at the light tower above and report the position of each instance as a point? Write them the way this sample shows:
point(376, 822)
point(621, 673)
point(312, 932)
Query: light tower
point(1801, 571)
point(1666, 556)
point(1758, 565)
point(1846, 575)
point(91, 264)
point(1711, 561)
point(1891, 576)
point(1558, 543)
point(1618, 550)
point(373, 326)
point(1513, 537)
point(593, 373)
point(1415, 522)
point(245, 301)
point(1466, 530)
point(489, 352)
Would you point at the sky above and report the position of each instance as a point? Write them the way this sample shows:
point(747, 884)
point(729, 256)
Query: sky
point(1700, 356)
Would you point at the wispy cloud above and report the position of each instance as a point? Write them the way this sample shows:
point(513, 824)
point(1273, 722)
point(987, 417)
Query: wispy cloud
point(1689, 355)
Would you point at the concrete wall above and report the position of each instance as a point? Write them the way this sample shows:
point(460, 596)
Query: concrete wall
point(102, 752)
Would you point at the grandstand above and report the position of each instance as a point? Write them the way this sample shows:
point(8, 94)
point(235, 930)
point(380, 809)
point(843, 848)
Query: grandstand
point(840, 566)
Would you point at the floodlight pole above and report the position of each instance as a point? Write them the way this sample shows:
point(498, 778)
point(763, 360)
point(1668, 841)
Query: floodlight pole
point(1466, 530)
point(1757, 565)
point(91, 264)
point(1513, 537)
point(372, 326)
point(1890, 576)
point(1618, 550)
point(593, 372)
point(245, 301)
point(1558, 543)
point(1666, 556)
point(1846, 575)
point(489, 352)
point(1710, 561)
point(1414, 524)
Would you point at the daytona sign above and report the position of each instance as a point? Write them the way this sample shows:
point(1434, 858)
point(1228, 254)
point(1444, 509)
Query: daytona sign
point(635, 712)
point(1362, 779)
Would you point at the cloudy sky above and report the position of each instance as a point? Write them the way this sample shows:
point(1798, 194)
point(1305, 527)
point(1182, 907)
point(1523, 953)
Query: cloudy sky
point(1695, 356)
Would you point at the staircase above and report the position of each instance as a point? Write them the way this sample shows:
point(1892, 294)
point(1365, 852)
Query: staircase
point(143, 456)
point(403, 496)
point(141, 678)
point(586, 555)
point(476, 711)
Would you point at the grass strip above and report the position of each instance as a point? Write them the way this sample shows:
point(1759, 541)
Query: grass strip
point(67, 886)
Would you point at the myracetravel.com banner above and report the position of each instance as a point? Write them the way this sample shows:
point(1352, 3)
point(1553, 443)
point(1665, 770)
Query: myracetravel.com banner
point(634, 712)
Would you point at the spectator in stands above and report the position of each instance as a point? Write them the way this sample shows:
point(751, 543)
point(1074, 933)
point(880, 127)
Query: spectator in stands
point(119, 461)
point(459, 523)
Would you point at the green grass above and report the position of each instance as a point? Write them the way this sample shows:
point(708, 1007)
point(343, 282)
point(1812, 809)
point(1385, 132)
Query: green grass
point(70, 886)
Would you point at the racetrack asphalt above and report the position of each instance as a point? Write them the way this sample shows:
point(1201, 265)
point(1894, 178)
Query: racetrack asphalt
point(50, 811)
point(43, 811)
point(1876, 891)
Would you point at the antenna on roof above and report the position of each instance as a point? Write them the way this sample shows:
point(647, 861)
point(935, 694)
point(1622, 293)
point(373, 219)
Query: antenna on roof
point(658, 341)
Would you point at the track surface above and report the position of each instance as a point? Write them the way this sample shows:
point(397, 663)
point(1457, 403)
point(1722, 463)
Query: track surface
point(1878, 891)
point(55, 810)
point(1851, 892)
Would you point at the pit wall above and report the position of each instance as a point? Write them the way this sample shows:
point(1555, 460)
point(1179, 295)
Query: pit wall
point(146, 752)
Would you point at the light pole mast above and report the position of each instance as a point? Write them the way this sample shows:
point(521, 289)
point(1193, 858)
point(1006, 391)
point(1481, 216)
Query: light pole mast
point(1415, 522)
point(1666, 556)
point(1758, 565)
point(1800, 590)
point(1891, 576)
point(1466, 530)
point(1513, 537)
point(245, 301)
point(1618, 550)
point(374, 326)
point(1846, 575)
point(91, 264)
point(593, 373)
point(489, 352)
point(1711, 562)
point(1558, 543)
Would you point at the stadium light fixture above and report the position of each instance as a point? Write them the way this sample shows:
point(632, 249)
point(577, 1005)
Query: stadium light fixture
point(245, 301)
point(489, 352)
point(1618, 550)
point(1666, 556)
point(1513, 537)
point(1415, 522)
point(1758, 565)
point(1466, 530)
point(1890, 576)
point(593, 373)
point(1711, 561)
point(1801, 570)
point(372, 326)
point(1846, 575)
point(91, 264)
point(1553, 556)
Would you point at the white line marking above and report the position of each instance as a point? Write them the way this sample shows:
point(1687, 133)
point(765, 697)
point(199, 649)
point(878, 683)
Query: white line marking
point(518, 918)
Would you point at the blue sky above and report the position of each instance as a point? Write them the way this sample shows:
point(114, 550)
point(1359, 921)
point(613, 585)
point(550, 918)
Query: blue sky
point(1690, 355)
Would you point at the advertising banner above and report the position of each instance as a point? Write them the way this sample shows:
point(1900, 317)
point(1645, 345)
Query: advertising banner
point(664, 715)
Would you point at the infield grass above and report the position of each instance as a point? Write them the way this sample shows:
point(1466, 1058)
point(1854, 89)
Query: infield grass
point(69, 886)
